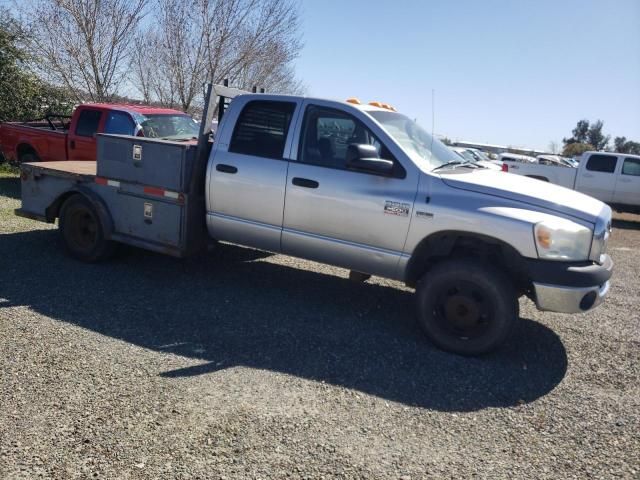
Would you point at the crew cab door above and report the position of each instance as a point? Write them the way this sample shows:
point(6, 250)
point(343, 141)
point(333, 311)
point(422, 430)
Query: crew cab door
point(248, 170)
point(628, 183)
point(82, 135)
point(343, 217)
point(597, 177)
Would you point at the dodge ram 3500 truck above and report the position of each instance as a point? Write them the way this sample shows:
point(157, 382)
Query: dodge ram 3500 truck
point(59, 137)
point(613, 178)
point(347, 184)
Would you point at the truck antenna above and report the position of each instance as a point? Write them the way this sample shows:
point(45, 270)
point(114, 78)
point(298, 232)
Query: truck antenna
point(433, 117)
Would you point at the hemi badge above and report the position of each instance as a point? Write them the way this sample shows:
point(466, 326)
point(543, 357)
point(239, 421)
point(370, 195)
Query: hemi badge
point(423, 214)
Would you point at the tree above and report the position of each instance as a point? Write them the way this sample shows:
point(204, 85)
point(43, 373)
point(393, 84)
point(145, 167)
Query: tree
point(22, 95)
point(249, 42)
point(619, 144)
point(579, 133)
point(553, 147)
point(622, 145)
point(595, 136)
point(576, 149)
point(588, 134)
point(83, 45)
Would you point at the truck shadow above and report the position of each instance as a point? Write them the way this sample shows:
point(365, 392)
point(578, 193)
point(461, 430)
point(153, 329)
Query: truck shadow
point(626, 224)
point(10, 187)
point(233, 308)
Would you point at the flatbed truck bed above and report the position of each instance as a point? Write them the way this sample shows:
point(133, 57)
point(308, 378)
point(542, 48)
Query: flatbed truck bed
point(142, 189)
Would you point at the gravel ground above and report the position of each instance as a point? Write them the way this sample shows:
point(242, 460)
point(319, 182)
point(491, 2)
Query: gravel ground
point(250, 365)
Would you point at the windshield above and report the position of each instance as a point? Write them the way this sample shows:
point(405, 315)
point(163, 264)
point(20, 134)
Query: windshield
point(168, 127)
point(466, 155)
point(421, 147)
point(480, 155)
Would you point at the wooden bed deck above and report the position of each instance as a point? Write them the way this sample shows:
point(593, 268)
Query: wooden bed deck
point(73, 167)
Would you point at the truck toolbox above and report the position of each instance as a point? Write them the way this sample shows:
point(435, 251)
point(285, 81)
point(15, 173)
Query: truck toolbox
point(159, 163)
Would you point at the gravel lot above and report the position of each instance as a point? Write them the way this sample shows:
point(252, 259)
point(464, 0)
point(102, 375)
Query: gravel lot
point(250, 365)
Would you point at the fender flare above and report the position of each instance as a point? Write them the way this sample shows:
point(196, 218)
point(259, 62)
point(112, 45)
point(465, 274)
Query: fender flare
point(106, 221)
point(444, 244)
point(23, 146)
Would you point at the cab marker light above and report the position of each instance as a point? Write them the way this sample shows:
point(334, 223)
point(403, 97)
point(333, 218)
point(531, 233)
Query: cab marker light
point(106, 181)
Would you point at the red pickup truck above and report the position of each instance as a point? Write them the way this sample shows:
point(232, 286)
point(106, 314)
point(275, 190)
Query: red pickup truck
point(58, 137)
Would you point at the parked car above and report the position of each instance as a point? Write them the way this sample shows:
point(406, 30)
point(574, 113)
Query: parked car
point(58, 137)
point(613, 178)
point(555, 160)
point(352, 185)
point(470, 156)
point(515, 157)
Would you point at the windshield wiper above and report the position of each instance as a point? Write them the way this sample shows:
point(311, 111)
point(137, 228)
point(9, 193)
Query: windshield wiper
point(455, 163)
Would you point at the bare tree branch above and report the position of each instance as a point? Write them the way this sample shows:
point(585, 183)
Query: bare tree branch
point(251, 42)
point(84, 45)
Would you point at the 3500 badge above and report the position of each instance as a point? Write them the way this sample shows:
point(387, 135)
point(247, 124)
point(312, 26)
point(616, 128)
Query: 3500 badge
point(396, 208)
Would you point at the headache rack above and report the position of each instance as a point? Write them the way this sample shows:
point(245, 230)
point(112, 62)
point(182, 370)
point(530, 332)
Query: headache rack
point(224, 94)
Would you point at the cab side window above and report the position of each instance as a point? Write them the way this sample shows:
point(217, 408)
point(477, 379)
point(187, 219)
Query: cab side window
point(602, 163)
point(631, 166)
point(326, 134)
point(119, 123)
point(88, 123)
point(262, 128)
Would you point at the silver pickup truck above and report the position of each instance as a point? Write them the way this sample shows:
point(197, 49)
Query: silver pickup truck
point(358, 186)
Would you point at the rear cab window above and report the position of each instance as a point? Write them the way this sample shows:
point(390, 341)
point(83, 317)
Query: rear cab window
point(88, 122)
point(262, 129)
point(602, 163)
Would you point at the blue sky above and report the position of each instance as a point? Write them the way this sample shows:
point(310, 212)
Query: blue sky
point(506, 72)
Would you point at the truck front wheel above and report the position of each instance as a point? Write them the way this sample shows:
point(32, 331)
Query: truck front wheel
point(82, 232)
point(466, 306)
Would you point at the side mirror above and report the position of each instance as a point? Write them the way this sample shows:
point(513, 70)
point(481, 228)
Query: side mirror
point(365, 158)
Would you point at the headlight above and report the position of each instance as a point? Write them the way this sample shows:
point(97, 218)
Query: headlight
point(600, 237)
point(562, 240)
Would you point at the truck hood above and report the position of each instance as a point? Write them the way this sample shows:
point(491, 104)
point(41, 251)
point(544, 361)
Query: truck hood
point(527, 190)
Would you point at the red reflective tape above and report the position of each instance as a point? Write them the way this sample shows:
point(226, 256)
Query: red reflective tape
point(154, 191)
point(101, 181)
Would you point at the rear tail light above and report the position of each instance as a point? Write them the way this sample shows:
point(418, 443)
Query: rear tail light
point(505, 167)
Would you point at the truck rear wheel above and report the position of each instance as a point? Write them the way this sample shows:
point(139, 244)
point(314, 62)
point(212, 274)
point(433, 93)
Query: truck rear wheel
point(29, 157)
point(82, 232)
point(466, 306)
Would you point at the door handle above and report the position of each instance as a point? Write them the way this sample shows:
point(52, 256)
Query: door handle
point(305, 182)
point(72, 144)
point(625, 180)
point(587, 175)
point(221, 167)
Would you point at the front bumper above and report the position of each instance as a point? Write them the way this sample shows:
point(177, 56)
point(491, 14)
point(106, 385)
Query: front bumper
point(570, 287)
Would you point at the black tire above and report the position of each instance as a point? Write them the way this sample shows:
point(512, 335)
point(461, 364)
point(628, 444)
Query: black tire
point(29, 157)
point(466, 306)
point(82, 232)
